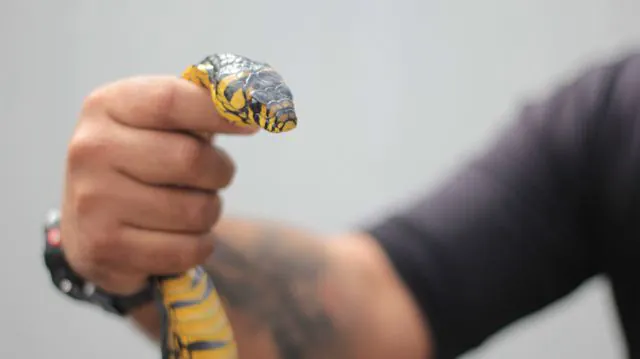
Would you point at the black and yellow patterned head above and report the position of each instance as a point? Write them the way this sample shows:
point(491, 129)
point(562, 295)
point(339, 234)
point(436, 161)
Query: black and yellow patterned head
point(247, 92)
point(270, 101)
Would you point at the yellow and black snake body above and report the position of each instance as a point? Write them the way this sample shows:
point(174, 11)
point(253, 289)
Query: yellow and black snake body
point(246, 93)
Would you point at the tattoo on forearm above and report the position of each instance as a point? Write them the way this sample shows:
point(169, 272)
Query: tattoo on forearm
point(279, 287)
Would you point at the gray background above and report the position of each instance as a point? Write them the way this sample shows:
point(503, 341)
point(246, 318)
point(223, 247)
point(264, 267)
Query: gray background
point(391, 95)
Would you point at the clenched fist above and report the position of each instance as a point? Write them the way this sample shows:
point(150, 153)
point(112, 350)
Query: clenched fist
point(142, 182)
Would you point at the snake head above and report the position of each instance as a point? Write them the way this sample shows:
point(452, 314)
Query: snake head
point(273, 108)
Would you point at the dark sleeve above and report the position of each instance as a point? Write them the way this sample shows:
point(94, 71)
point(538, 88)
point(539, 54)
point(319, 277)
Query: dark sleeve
point(514, 229)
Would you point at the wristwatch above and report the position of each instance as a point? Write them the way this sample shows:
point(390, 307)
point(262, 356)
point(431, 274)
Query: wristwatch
point(74, 286)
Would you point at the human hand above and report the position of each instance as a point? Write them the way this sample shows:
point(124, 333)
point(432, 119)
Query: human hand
point(141, 186)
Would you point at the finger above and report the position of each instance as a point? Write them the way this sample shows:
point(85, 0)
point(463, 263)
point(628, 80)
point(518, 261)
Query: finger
point(163, 103)
point(163, 253)
point(127, 201)
point(169, 158)
point(166, 208)
point(122, 282)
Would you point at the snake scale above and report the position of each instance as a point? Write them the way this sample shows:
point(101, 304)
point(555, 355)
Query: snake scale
point(246, 93)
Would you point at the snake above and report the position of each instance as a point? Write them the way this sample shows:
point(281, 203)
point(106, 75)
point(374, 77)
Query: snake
point(246, 93)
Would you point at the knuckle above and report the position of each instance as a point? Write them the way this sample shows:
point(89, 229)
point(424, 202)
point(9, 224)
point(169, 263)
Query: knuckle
point(95, 100)
point(86, 146)
point(189, 155)
point(161, 101)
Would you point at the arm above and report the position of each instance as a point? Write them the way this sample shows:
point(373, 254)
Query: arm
point(512, 231)
point(141, 197)
point(294, 295)
point(525, 221)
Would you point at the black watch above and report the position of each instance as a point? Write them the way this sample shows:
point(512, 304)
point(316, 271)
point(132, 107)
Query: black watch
point(74, 286)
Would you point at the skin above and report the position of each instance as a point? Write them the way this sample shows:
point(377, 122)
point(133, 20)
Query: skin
point(142, 198)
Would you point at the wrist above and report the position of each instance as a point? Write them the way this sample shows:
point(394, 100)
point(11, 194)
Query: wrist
point(75, 286)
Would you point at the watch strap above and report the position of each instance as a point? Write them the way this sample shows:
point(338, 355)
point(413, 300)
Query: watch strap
point(76, 287)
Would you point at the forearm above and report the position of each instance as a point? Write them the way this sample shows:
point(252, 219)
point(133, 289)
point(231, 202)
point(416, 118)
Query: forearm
point(289, 294)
